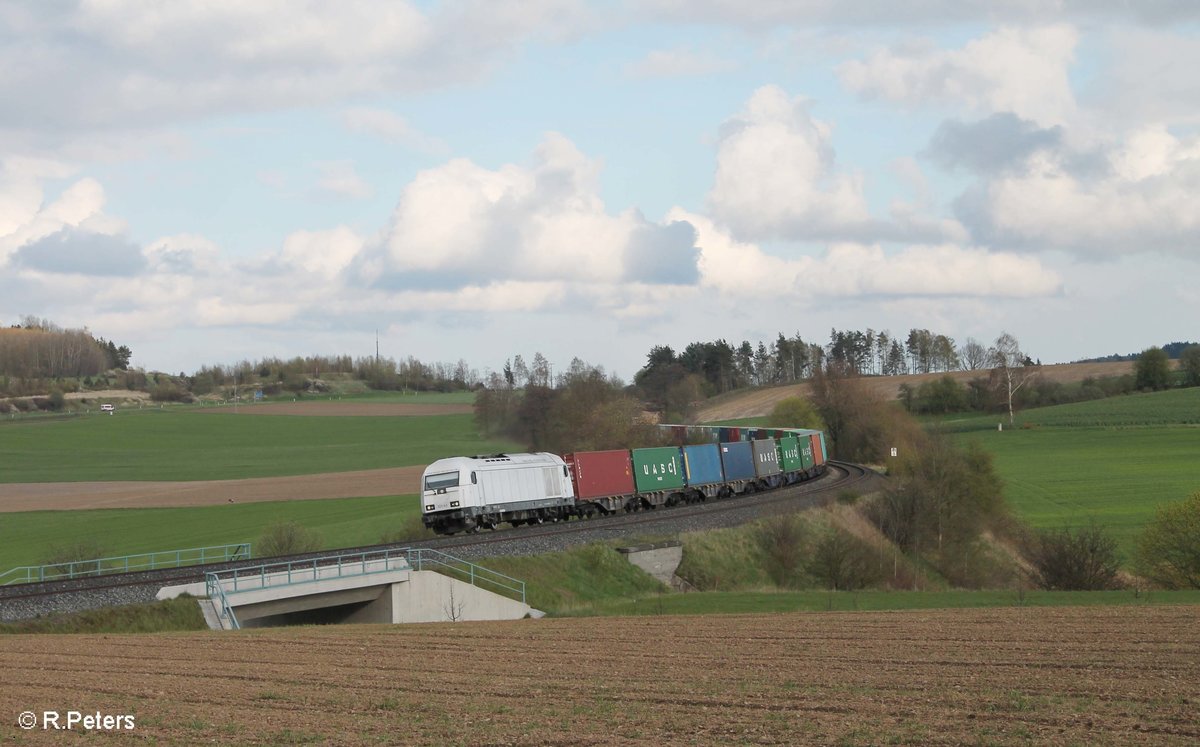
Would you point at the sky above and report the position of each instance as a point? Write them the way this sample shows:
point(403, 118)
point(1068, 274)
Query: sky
point(210, 181)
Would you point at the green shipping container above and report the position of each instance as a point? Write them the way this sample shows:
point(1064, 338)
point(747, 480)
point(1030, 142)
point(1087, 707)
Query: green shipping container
point(789, 454)
point(806, 453)
point(657, 469)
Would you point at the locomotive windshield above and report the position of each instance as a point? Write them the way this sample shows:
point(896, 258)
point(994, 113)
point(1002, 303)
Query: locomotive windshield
point(441, 480)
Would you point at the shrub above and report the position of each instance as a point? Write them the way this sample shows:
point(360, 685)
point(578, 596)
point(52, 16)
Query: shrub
point(781, 540)
point(843, 562)
point(169, 391)
point(286, 538)
point(1081, 560)
point(1168, 551)
point(73, 552)
point(412, 529)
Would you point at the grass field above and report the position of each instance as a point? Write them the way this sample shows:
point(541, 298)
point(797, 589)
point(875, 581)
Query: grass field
point(738, 603)
point(26, 538)
point(1114, 460)
point(182, 444)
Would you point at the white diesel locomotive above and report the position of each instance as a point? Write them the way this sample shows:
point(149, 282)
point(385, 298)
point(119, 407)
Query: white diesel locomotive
point(469, 493)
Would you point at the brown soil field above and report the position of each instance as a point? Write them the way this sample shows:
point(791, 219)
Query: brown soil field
point(82, 495)
point(55, 496)
point(760, 402)
point(1100, 675)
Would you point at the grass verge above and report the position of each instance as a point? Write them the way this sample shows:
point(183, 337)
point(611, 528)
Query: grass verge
point(173, 614)
point(724, 602)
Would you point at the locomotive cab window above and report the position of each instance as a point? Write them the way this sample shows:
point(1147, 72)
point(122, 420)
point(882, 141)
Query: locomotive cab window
point(442, 481)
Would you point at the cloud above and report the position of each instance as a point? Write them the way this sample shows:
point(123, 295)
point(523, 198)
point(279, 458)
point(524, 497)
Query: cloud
point(323, 253)
point(72, 251)
point(738, 269)
point(1148, 76)
point(137, 64)
point(1147, 200)
point(339, 180)
point(1018, 70)
point(888, 13)
point(463, 223)
point(25, 218)
point(776, 174)
point(392, 128)
point(677, 63)
point(997, 143)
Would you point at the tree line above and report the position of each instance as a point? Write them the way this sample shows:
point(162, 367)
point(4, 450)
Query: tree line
point(35, 351)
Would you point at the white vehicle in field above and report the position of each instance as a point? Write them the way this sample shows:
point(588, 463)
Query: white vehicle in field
point(465, 493)
point(107, 407)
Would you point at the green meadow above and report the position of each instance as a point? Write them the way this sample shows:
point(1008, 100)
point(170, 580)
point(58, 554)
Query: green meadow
point(27, 537)
point(188, 444)
point(1113, 460)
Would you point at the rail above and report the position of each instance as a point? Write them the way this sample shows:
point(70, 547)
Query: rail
point(126, 564)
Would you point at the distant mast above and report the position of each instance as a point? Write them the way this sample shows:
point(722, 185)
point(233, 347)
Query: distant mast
point(377, 346)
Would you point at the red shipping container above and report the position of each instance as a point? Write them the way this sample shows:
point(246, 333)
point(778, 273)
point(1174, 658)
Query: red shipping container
point(597, 474)
point(818, 455)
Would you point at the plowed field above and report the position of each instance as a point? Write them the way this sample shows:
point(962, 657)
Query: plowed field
point(1001, 676)
point(760, 402)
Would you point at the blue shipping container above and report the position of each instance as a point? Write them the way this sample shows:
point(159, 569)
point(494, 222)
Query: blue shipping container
point(702, 464)
point(737, 458)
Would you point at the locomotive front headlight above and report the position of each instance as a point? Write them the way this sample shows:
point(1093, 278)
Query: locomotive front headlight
point(429, 507)
point(453, 504)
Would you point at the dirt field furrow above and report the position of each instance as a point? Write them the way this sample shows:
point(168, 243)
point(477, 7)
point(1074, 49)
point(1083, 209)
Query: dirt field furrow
point(1062, 676)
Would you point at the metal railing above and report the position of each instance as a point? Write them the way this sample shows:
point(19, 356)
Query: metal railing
point(309, 570)
point(423, 558)
point(126, 563)
point(216, 595)
point(221, 584)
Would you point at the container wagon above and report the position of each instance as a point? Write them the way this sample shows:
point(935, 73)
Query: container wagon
point(603, 481)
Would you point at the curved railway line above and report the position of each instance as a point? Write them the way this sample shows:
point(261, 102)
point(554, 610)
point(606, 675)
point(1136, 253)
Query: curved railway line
point(845, 476)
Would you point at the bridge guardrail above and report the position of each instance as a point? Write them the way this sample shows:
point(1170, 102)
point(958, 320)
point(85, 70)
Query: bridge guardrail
point(126, 563)
point(220, 584)
point(464, 570)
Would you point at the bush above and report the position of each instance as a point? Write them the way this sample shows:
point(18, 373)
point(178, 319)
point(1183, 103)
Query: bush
point(1168, 551)
point(73, 552)
point(412, 529)
point(1080, 560)
point(286, 538)
point(781, 541)
point(843, 562)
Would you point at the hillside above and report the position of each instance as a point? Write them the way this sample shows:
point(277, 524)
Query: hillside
point(760, 402)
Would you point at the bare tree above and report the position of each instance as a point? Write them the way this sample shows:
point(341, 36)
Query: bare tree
point(453, 609)
point(1011, 367)
point(972, 355)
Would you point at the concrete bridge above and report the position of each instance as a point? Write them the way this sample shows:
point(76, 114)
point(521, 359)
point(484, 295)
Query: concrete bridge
point(388, 586)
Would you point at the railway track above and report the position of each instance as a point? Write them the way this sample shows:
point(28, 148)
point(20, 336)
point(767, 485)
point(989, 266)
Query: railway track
point(839, 476)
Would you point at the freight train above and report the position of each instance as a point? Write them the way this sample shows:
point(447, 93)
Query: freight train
point(465, 494)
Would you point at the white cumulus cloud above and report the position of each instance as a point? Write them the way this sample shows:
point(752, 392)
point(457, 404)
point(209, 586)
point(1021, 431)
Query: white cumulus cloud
point(461, 222)
point(776, 174)
point(1147, 200)
point(739, 269)
point(1012, 69)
